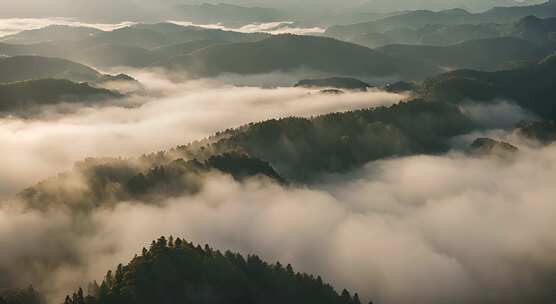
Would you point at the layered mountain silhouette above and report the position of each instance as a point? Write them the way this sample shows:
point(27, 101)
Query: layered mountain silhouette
point(140, 45)
point(482, 54)
point(420, 18)
point(531, 87)
point(51, 33)
point(290, 53)
point(35, 67)
point(229, 14)
point(530, 28)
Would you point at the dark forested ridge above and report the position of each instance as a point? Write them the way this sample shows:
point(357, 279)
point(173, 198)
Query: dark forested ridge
point(21, 296)
point(139, 45)
point(35, 67)
point(95, 183)
point(480, 54)
point(302, 149)
point(22, 68)
point(51, 33)
point(175, 271)
point(541, 131)
point(291, 149)
point(288, 53)
point(22, 98)
point(334, 82)
point(532, 87)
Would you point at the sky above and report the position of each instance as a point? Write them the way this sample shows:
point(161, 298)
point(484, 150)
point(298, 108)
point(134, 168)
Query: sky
point(125, 10)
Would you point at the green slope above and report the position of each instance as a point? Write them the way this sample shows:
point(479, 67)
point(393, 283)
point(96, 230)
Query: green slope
point(532, 87)
point(174, 271)
point(290, 52)
point(482, 54)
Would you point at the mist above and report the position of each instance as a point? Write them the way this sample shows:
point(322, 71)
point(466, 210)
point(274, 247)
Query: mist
point(10, 26)
point(474, 227)
point(274, 28)
point(34, 149)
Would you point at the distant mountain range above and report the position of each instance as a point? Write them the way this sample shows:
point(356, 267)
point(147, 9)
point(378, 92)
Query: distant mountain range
point(34, 67)
point(137, 46)
point(51, 33)
point(421, 18)
point(21, 68)
point(228, 14)
point(288, 53)
point(435, 5)
point(481, 54)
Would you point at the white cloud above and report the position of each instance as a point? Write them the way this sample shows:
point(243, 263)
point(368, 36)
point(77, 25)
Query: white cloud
point(422, 229)
point(10, 26)
point(36, 149)
point(275, 28)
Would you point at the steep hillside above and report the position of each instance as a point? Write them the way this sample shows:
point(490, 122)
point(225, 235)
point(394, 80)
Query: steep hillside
point(151, 178)
point(295, 149)
point(34, 67)
point(175, 271)
point(289, 53)
point(51, 33)
point(483, 54)
point(531, 87)
point(21, 98)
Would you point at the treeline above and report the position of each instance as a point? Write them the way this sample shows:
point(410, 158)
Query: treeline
point(175, 271)
point(104, 182)
point(531, 87)
point(299, 150)
point(303, 149)
point(21, 296)
point(24, 98)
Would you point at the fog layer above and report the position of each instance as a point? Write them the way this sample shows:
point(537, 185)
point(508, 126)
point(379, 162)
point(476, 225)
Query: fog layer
point(178, 114)
point(423, 229)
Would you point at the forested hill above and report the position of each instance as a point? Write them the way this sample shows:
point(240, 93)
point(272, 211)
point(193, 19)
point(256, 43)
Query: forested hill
point(21, 296)
point(174, 271)
point(288, 53)
point(299, 150)
point(302, 149)
point(24, 97)
point(105, 182)
point(532, 87)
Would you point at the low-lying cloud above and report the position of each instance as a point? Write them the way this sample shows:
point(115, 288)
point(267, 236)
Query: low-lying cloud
point(498, 114)
point(33, 150)
point(10, 26)
point(422, 229)
point(275, 28)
